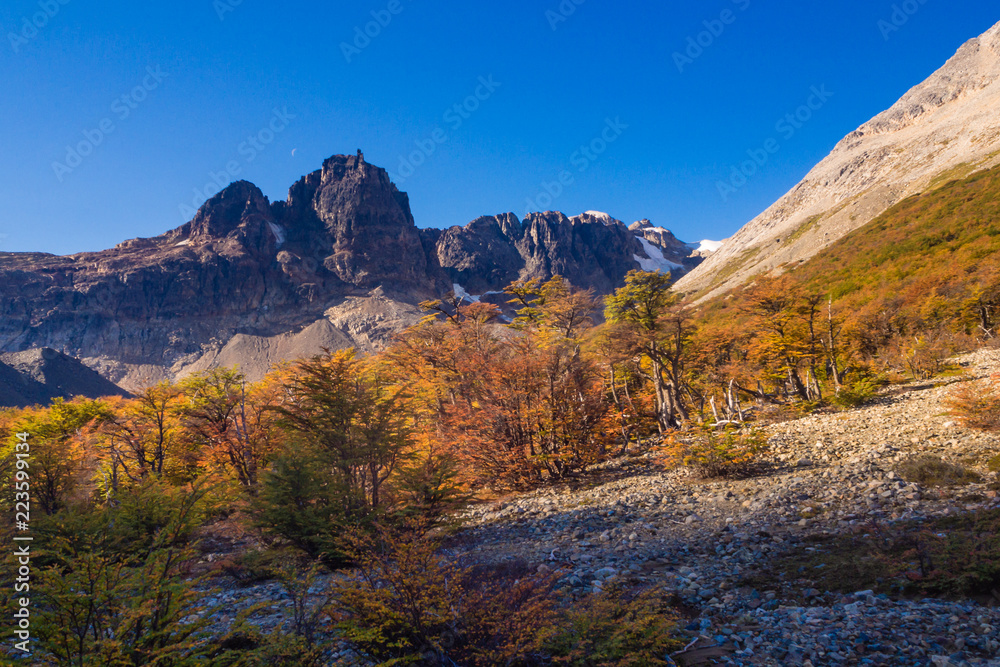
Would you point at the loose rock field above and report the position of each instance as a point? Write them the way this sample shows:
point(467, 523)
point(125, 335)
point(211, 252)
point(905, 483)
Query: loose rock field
point(716, 544)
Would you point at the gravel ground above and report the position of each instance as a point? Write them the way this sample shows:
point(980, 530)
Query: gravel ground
point(828, 473)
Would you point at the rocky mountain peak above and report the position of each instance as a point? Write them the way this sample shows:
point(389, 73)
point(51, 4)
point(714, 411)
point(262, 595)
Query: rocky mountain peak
point(369, 229)
point(227, 211)
point(662, 237)
point(353, 193)
point(248, 282)
point(595, 217)
point(973, 68)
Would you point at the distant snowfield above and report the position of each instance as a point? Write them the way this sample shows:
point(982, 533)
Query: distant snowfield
point(599, 214)
point(709, 246)
point(461, 293)
point(656, 261)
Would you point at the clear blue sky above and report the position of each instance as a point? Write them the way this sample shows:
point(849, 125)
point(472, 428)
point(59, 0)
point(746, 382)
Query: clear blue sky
point(216, 82)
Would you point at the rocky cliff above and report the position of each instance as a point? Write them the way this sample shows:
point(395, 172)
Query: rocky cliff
point(945, 128)
point(592, 250)
point(339, 263)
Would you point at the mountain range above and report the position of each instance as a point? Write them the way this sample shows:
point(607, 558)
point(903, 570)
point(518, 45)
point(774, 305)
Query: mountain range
point(341, 262)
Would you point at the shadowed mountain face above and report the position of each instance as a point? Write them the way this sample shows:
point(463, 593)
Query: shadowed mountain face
point(37, 376)
point(247, 281)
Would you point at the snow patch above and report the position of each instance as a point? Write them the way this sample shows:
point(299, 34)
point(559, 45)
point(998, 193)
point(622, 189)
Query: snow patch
point(709, 246)
point(598, 215)
point(183, 243)
point(656, 261)
point(462, 294)
point(279, 233)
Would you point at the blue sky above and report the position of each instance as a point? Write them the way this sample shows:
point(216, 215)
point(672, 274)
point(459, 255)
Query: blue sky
point(117, 118)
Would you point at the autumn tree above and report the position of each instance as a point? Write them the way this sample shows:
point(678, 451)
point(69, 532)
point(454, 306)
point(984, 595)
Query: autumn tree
point(233, 421)
point(978, 312)
point(518, 403)
point(56, 437)
point(615, 349)
point(660, 327)
point(349, 414)
point(528, 404)
point(553, 318)
point(786, 339)
point(140, 436)
point(718, 370)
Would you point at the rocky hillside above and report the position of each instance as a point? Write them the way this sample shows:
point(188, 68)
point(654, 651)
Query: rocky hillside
point(945, 128)
point(340, 263)
point(35, 377)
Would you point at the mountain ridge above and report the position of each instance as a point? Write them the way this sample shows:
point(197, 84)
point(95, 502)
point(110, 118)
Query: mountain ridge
point(943, 128)
point(339, 263)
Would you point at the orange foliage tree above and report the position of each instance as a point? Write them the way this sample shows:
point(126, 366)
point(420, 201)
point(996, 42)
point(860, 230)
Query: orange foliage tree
point(519, 403)
point(58, 446)
point(140, 438)
point(233, 422)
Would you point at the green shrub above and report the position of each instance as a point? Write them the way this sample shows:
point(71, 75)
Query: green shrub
point(931, 471)
point(859, 390)
point(307, 613)
point(139, 520)
point(101, 601)
point(429, 487)
point(94, 610)
point(302, 504)
point(259, 565)
point(618, 628)
point(247, 646)
point(711, 454)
